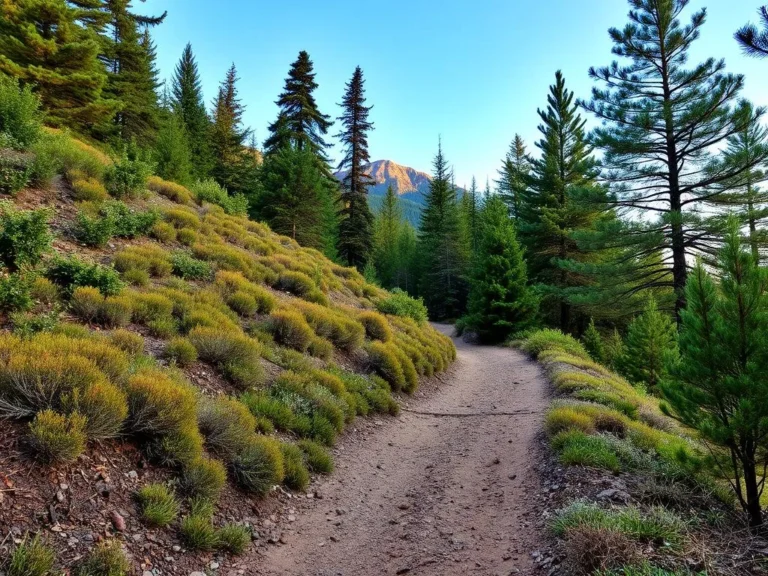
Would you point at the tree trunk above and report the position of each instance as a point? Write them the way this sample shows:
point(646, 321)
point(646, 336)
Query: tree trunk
point(754, 510)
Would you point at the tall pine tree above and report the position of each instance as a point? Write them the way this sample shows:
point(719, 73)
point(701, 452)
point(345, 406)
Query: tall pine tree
point(514, 177)
point(355, 218)
point(753, 41)
point(228, 136)
point(387, 227)
point(661, 123)
point(54, 46)
point(441, 250)
point(187, 101)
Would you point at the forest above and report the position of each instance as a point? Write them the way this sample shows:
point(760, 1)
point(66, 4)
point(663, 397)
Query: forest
point(638, 246)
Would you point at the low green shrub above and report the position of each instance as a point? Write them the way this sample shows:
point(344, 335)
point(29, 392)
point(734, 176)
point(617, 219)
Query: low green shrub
point(15, 170)
point(115, 312)
point(204, 478)
point(86, 303)
point(400, 303)
point(163, 232)
point(296, 283)
point(181, 351)
point(384, 361)
point(236, 355)
point(548, 339)
point(259, 466)
point(296, 475)
point(159, 404)
point(320, 348)
point(21, 119)
point(197, 529)
point(209, 191)
point(57, 437)
point(93, 230)
point(71, 272)
point(32, 557)
point(289, 328)
point(159, 506)
point(578, 448)
point(16, 293)
point(233, 538)
point(376, 326)
point(105, 559)
point(316, 456)
point(129, 342)
point(179, 447)
point(85, 189)
point(127, 178)
point(25, 236)
point(190, 268)
point(228, 426)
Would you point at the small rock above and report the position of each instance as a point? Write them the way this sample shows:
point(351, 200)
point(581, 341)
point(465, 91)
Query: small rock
point(147, 573)
point(117, 521)
point(133, 475)
point(214, 565)
point(291, 518)
point(176, 548)
point(404, 506)
point(197, 574)
point(334, 539)
point(614, 495)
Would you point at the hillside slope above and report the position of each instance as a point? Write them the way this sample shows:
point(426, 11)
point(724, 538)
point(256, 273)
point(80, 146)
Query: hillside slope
point(168, 362)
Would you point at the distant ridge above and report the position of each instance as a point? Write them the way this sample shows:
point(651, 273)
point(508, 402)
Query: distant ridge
point(407, 182)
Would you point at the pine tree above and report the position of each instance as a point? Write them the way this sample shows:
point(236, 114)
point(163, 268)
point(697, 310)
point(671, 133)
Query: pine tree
point(187, 100)
point(295, 199)
point(500, 300)
point(172, 155)
point(441, 250)
point(54, 46)
point(387, 227)
point(132, 74)
point(470, 213)
point(355, 218)
point(557, 205)
point(651, 342)
point(719, 386)
point(514, 177)
point(228, 136)
point(743, 196)
point(406, 274)
point(754, 42)
point(613, 350)
point(661, 123)
point(593, 342)
point(299, 122)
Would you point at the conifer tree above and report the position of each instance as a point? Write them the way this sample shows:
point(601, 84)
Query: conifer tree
point(441, 250)
point(718, 386)
point(651, 342)
point(514, 177)
point(662, 120)
point(172, 156)
point(406, 274)
point(613, 350)
point(132, 74)
point(500, 300)
point(593, 342)
point(470, 212)
point(557, 206)
point(299, 122)
point(387, 229)
point(54, 46)
point(355, 218)
point(754, 42)
point(187, 100)
point(228, 136)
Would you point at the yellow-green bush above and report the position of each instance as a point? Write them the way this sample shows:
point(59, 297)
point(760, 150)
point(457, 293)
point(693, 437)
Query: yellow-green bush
point(204, 478)
point(181, 351)
point(163, 232)
point(148, 257)
point(127, 341)
point(259, 466)
point(345, 333)
point(175, 192)
point(57, 437)
point(227, 426)
point(564, 418)
point(296, 475)
point(149, 306)
point(86, 189)
point(376, 326)
point(236, 355)
point(158, 404)
point(44, 291)
point(384, 360)
point(158, 503)
point(106, 559)
point(86, 303)
point(289, 328)
point(115, 311)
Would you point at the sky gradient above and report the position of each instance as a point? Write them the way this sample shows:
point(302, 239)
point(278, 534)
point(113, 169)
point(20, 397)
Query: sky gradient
point(471, 72)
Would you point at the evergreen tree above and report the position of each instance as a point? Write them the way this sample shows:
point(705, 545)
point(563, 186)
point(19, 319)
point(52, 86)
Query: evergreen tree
point(356, 220)
point(228, 136)
point(441, 250)
point(613, 350)
point(661, 122)
point(54, 46)
point(295, 199)
point(559, 203)
point(172, 155)
point(500, 300)
point(299, 122)
point(514, 177)
point(743, 196)
point(187, 100)
point(651, 341)
point(470, 212)
point(718, 386)
point(754, 42)
point(387, 229)
point(132, 75)
point(593, 342)
point(406, 272)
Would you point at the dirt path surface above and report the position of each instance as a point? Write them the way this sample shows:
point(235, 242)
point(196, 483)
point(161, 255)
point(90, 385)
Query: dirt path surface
point(445, 489)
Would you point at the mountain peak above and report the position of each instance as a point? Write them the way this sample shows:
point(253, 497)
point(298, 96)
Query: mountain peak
point(403, 179)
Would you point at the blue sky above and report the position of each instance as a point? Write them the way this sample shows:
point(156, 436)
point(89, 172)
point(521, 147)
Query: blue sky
point(473, 72)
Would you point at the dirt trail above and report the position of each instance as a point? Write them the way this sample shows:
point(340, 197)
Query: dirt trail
point(446, 489)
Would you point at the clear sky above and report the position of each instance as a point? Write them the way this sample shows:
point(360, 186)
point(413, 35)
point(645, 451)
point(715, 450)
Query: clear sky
point(472, 71)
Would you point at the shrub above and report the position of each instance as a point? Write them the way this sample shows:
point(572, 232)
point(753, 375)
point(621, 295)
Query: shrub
point(27, 324)
point(204, 478)
point(86, 189)
point(259, 466)
point(15, 293)
point(94, 230)
point(384, 361)
point(129, 223)
point(291, 329)
point(43, 291)
point(210, 191)
point(243, 303)
point(163, 327)
point(178, 448)
point(69, 273)
point(296, 283)
point(376, 326)
point(159, 506)
point(227, 425)
point(400, 304)
point(20, 115)
point(409, 370)
point(589, 550)
point(15, 170)
point(563, 418)
point(189, 268)
point(106, 559)
point(136, 277)
point(320, 348)
point(579, 449)
point(186, 236)
point(150, 306)
point(197, 527)
point(86, 303)
point(163, 232)
point(233, 538)
point(24, 236)
point(57, 438)
point(183, 218)
point(263, 406)
point(548, 339)
point(158, 404)
point(236, 355)
point(316, 456)
point(32, 557)
point(296, 475)
point(127, 177)
point(115, 311)
point(170, 190)
point(181, 351)
point(127, 341)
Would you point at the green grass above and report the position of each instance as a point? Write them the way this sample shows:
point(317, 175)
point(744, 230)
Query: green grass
point(579, 449)
point(31, 558)
point(197, 529)
point(233, 538)
point(159, 506)
point(106, 559)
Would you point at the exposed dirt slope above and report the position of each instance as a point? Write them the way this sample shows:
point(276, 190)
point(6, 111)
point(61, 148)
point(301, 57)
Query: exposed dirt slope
point(448, 488)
